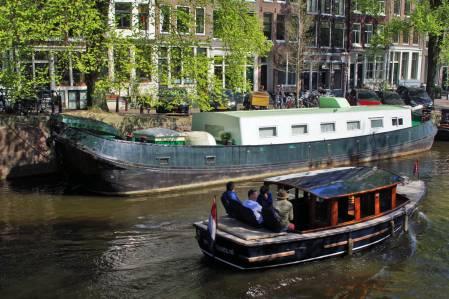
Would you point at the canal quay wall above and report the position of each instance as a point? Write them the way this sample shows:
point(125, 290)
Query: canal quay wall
point(24, 151)
point(23, 148)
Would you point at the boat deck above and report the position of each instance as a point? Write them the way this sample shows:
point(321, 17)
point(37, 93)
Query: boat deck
point(246, 235)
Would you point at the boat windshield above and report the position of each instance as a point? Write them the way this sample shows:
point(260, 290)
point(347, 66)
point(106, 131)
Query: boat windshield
point(368, 95)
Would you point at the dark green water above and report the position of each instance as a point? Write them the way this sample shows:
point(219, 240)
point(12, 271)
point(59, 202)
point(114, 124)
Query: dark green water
point(54, 245)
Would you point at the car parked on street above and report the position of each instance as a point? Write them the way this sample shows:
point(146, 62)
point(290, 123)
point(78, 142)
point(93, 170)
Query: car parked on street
point(390, 97)
point(363, 97)
point(415, 96)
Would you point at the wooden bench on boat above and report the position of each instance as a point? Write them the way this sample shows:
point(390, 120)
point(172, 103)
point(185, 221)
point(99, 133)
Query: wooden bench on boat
point(349, 226)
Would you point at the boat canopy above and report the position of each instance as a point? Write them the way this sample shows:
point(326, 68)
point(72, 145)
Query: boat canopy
point(338, 182)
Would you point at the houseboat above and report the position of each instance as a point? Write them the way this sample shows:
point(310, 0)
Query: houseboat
point(336, 212)
point(250, 145)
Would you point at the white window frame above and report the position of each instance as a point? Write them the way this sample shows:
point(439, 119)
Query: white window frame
point(300, 125)
point(269, 127)
point(359, 34)
point(374, 119)
point(204, 20)
point(354, 121)
point(161, 19)
point(328, 123)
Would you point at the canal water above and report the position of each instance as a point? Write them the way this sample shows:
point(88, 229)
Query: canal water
point(56, 243)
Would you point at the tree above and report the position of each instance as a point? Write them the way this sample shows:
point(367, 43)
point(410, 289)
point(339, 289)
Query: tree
point(299, 34)
point(21, 24)
point(429, 19)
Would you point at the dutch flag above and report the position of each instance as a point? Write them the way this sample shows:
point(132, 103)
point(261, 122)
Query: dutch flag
point(212, 224)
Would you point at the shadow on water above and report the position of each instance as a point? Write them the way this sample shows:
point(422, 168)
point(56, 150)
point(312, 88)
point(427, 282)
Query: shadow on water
point(55, 243)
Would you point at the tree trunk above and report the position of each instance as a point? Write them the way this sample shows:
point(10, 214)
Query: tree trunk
point(432, 63)
point(91, 79)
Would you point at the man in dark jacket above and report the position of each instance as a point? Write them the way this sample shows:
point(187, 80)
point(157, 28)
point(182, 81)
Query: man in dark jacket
point(228, 196)
point(265, 199)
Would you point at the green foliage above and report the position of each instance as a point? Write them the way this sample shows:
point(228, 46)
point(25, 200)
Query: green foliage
point(80, 35)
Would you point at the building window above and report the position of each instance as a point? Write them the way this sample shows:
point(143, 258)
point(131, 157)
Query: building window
point(339, 7)
point(293, 33)
point(379, 67)
point(312, 6)
point(338, 35)
point(415, 37)
point(123, 13)
point(377, 123)
point(163, 66)
point(199, 20)
point(267, 25)
point(325, 34)
point(353, 125)
point(405, 37)
point(356, 33)
point(414, 70)
point(280, 27)
point(397, 7)
point(369, 68)
point(299, 130)
point(355, 6)
point(267, 132)
point(326, 6)
point(182, 19)
point(396, 37)
point(327, 127)
point(404, 70)
point(311, 35)
point(165, 19)
point(407, 7)
point(368, 33)
point(143, 16)
point(381, 7)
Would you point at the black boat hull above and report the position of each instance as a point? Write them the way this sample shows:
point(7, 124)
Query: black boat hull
point(115, 167)
point(443, 134)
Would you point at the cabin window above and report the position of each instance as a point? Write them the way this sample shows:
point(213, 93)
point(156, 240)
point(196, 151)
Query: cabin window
point(397, 121)
point(267, 132)
point(367, 202)
point(327, 127)
point(353, 125)
point(385, 200)
point(299, 129)
point(377, 123)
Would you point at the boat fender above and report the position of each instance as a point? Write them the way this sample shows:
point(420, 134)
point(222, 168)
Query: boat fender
point(406, 222)
point(392, 227)
point(350, 245)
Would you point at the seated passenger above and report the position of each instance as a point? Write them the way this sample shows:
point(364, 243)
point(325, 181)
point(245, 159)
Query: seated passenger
point(265, 199)
point(251, 203)
point(228, 196)
point(285, 209)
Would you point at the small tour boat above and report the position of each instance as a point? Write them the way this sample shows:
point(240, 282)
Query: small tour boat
point(443, 127)
point(336, 211)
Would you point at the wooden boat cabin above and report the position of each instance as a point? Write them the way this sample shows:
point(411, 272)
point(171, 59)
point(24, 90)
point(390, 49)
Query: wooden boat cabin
point(323, 199)
point(336, 211)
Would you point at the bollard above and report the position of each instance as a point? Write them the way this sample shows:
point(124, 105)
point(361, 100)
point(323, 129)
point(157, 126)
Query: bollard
point(350, 245)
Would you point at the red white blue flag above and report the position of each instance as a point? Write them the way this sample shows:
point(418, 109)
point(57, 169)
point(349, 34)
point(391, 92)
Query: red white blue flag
point(416, 168)
point(212, 224)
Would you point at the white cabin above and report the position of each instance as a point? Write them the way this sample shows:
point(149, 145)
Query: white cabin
point(302, 125)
